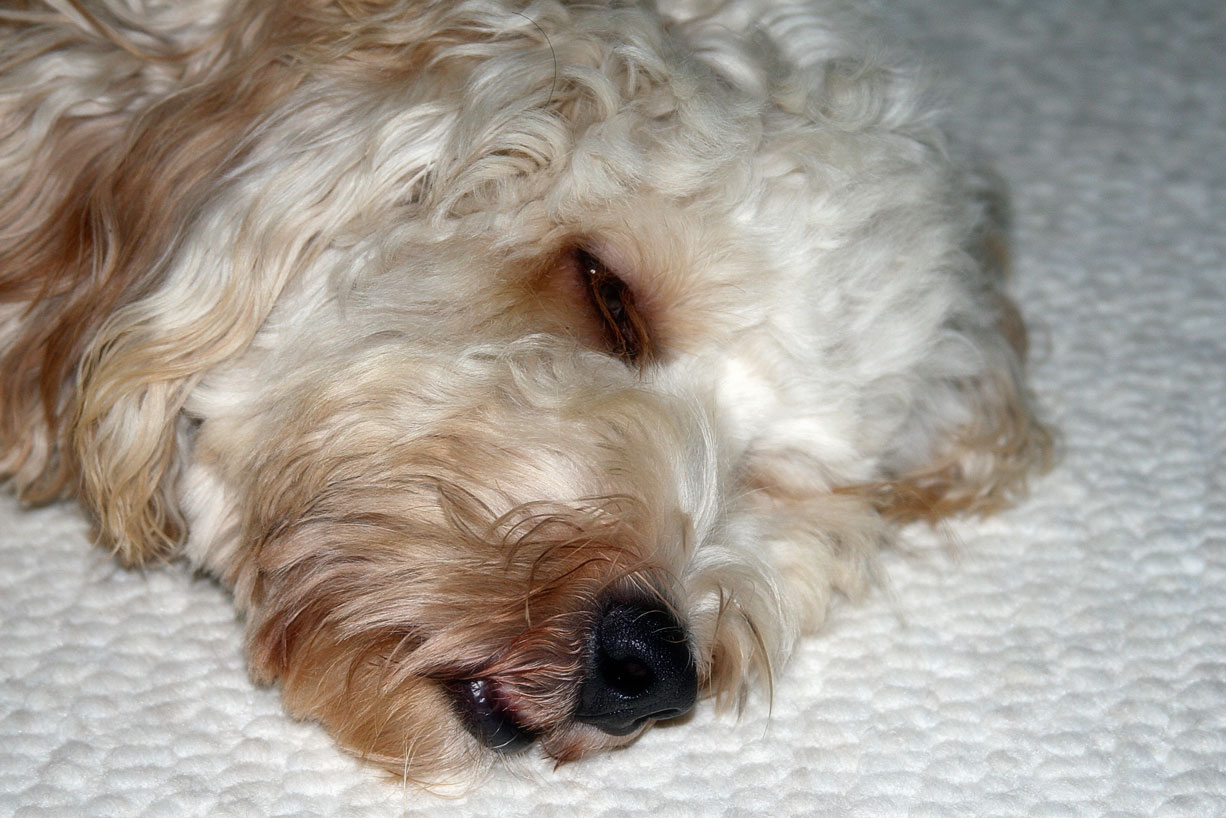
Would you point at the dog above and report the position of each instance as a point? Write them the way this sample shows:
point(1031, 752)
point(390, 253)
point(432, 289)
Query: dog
point(527, 369)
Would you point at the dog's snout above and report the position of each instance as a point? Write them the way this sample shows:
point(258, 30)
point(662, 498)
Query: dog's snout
point(640, 668)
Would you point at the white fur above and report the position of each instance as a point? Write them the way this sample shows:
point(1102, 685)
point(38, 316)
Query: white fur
point(757, 168)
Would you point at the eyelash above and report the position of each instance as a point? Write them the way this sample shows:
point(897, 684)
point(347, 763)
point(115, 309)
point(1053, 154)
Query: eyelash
point(613, 301)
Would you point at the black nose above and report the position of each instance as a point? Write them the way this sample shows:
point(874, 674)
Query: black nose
point(640, 668)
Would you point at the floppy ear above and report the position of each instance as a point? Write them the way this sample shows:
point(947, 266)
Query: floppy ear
point(983, 465)
point(103, 338)
point(981, 462)
point(144, 238)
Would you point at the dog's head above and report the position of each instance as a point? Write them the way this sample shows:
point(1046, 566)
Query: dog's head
point(526, 370)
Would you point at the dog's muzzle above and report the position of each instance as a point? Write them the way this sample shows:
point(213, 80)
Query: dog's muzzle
point(639, 668)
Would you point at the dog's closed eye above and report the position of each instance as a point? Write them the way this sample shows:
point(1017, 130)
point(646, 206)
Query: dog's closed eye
point(613, 302)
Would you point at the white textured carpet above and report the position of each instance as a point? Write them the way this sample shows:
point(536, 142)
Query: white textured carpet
point(1069, 660)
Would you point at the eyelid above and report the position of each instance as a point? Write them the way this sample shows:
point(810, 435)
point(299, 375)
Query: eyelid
point(625, 334)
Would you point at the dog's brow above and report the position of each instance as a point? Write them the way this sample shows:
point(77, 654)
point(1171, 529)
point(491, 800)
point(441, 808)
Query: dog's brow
point(553, 53)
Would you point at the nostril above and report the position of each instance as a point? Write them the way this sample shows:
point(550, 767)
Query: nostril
point(639, 668)
point(630, 677)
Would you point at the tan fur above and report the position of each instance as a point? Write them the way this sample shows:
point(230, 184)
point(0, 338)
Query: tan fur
point(430, 328)
point(87, 248)
point(983, 472)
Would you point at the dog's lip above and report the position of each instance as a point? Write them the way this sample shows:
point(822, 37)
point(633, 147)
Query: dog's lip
point(488, 715)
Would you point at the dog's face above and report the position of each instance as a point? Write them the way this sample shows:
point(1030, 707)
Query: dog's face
point(529, 373)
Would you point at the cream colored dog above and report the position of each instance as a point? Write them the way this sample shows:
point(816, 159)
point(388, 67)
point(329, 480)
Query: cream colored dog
point(528, 368)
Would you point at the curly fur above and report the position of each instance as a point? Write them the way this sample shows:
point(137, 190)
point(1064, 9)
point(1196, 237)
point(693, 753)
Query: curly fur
point(300, 291)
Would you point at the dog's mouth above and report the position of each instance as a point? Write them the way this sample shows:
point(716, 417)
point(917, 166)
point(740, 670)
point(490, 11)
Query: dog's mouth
point(488, 715)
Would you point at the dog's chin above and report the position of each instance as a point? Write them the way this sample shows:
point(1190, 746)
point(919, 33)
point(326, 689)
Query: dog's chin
point(489, 716)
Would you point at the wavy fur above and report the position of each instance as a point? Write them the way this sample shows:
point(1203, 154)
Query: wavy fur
point(427, 327)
